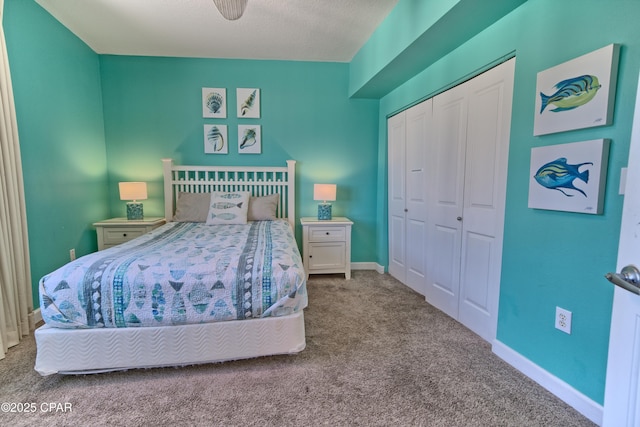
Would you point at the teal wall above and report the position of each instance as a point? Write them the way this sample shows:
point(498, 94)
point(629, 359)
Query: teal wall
point(56, 85)
point(153, 109)
point(550, 258)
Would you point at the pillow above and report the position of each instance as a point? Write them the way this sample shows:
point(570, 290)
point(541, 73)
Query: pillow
point(192, 207)
point(263, 208)
point(228, 208)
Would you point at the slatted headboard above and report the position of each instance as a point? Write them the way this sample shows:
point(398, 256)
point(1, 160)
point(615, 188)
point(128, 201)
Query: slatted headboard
point(258, 180)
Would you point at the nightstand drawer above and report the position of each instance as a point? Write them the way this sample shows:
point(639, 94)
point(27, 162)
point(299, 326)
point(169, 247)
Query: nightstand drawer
point(112, 232)
point(326, 234)
point(114, 236)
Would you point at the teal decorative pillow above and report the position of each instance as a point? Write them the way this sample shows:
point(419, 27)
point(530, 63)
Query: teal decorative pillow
point(228, 208)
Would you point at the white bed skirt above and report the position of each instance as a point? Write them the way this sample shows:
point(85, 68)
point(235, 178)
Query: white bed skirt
point(83, 351)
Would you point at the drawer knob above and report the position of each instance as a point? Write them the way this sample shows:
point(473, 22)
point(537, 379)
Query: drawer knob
point(327, 233)
point(124, 234)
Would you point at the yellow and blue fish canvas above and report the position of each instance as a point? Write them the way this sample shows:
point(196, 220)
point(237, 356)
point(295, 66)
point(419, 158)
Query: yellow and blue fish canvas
point(571, 93)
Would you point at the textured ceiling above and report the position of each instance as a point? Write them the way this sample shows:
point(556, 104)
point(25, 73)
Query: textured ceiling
point(304, 30)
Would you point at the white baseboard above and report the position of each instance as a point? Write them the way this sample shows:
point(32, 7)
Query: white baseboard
point(367, 266)
point(555, 385)
point(37, 316)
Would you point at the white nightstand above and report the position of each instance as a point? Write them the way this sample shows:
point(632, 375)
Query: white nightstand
point(326, 245)
point(114, 231)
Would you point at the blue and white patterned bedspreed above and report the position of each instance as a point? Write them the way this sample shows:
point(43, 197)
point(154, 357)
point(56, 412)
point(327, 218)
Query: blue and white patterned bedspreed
point(180, 273)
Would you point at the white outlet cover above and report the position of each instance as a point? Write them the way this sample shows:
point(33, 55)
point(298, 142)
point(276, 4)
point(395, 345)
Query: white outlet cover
point(563, 320)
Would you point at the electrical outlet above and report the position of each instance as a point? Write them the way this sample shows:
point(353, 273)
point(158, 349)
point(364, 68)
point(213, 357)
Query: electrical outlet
point(72, 254)
point(563, 320)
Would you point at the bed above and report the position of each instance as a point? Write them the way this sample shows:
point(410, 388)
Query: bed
point(208, 286)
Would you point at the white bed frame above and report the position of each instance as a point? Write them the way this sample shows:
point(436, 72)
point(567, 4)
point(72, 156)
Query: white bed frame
point(82, 351)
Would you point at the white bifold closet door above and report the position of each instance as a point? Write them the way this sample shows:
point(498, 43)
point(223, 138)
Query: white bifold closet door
point(467, 192)
point(407, 133)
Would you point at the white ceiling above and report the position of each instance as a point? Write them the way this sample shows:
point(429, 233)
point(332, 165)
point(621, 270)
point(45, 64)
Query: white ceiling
point(304, 30)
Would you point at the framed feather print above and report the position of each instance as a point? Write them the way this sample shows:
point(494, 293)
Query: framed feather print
point(577, 94)
point(569, 177)
point(215, 139)
point(248, 101)
point(214, 103)
point(249, 139)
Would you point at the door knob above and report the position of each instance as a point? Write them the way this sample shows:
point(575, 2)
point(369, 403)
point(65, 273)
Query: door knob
point(459, 218)
point(628, 278)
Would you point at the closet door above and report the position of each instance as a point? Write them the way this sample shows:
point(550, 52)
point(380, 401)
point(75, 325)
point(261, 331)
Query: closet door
point(467, 198)
point(488, 125)
point(396, 140)
point(446, 165)
point(418, 126)
point(407, 133)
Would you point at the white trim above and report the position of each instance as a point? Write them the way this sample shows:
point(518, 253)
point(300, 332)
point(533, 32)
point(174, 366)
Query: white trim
point(555, 385)
point(37, 316)
point(367, 266)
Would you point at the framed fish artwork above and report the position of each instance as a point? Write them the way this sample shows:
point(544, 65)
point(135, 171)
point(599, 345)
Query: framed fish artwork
point(577, 94)
point(215, 139)
point(249, 139)
point(569, 177)
point(248, 101)
point(214, 103)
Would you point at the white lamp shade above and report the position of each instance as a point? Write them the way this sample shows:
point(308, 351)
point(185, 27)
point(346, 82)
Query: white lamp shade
point(324, 192)
point(133, 190)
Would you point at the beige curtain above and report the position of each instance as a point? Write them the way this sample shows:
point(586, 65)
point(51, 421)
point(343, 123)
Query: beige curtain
point(16, 304)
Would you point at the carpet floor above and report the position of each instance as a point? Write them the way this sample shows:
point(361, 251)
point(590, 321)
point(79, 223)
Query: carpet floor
point(377, 355)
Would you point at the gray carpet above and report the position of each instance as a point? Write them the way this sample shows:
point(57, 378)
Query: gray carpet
point(377, 355)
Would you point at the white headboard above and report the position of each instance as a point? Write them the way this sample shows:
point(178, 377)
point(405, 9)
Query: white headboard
point(258, 180)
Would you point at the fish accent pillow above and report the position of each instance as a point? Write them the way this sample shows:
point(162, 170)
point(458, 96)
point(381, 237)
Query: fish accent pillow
point(228, 208)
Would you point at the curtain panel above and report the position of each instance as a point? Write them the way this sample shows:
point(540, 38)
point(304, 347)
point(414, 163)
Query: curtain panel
point(16, 302)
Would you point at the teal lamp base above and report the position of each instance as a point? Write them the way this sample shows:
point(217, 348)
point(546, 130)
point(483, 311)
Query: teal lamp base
point(134, 211)
point(324, 211)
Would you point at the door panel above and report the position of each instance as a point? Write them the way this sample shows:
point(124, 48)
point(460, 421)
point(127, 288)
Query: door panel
point(489, 100)
point(622, 392)
point(477, 268)
point(397, 227)
point(446, 164)
point(418, 123)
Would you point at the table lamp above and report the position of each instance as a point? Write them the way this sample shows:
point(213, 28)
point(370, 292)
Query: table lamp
point(326, 193)
point(133, 191)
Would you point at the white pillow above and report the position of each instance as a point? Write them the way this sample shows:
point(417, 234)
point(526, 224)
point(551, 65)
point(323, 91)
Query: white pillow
point(228, 208)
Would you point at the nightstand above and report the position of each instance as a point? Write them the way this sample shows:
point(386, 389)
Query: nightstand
point(114, 231)
point(326, 245)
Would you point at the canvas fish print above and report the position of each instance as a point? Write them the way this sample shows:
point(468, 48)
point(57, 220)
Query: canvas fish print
point(558, 174)
point(571, 93)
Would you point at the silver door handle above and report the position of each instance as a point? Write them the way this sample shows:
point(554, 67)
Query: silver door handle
point(628, 278)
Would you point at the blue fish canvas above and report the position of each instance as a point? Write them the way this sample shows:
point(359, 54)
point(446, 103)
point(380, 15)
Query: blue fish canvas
point(569, 177)
point(576, 94)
